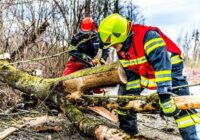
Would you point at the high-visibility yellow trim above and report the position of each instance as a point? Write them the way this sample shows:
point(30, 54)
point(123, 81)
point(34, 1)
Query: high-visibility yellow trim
point(84, 56)
point(155, 47)
point(152, 41)
point(161, 72)
point(176, 59)
point(188, 120)
point(133, 84)
point(126, 63)
point(163, 75)
point(168, 107)
point(150, 83)
point(163, 79)
point(153, 44)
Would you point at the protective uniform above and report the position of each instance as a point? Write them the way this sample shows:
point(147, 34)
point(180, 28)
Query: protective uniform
point(85, 51)
point(152, 60)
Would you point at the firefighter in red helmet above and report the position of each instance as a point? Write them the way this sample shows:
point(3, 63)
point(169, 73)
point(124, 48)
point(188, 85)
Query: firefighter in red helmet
point(85, 54)
point(87, 25)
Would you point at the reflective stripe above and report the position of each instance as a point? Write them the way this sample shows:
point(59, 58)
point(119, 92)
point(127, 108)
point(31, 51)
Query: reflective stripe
point(163, 75)
point(150, 83)
point(168, 107)
point(188, 120)
point(176, 59)
point(133, 84)
point(153, 44)
point(144, 81)
point(84, 56)
point(126, 63)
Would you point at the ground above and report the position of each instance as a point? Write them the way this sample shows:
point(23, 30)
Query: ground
point(151, 126)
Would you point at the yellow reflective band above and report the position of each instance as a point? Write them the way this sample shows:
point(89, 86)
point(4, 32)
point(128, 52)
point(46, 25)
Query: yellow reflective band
point(153, 44)
point(163, 79)
point(161, 72)
point(188, 120)
point(152, 83)
point(144, 81)
point(163, 75)
point(84, 56)
point(148, 82)
point(168, 107)
point(133, 84)
point(126, 63)
point(176, 59)
point(152, 41)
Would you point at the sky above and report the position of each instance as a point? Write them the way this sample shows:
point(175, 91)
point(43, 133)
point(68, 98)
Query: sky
point(173, 17)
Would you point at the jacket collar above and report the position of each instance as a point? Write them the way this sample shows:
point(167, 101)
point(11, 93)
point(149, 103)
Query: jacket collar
point(128, 42)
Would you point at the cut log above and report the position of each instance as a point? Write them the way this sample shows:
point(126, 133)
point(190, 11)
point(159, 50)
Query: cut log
point(106, 75)
point(188, 102)
point(97, 129)
point(105, 113)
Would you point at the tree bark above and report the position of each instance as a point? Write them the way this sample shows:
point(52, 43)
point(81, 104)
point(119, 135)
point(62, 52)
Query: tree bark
point(1, 29)
point(95, 128)
point(140, 103)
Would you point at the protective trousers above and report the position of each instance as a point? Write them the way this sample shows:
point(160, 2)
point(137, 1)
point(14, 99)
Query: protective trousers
point(188, 121)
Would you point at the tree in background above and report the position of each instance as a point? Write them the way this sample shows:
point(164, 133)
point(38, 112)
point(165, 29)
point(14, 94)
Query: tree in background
point(190, 44)
point(31, 29)
point(196, 52)
point(128, 9)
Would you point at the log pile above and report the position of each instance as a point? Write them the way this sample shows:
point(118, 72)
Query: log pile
point(70, 90)
point(74, 86)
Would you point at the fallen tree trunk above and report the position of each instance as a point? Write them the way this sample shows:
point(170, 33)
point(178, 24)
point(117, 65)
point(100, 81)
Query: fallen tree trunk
point(140, 103)
point(98, 129)
point(75, 84)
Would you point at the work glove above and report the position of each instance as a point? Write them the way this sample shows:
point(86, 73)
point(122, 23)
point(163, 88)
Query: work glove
point(168, 108)
point(95, 62)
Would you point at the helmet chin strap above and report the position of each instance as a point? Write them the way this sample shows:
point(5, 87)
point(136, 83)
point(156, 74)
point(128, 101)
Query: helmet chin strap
point(129, 29)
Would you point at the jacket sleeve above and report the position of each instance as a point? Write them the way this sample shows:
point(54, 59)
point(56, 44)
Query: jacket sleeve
point(158, 57)
point(78, 53)
point(105, 53)
point(99, 45)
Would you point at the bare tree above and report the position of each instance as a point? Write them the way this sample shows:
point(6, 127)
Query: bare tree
point(1, 28)
point(24, 39)
point(116, 10)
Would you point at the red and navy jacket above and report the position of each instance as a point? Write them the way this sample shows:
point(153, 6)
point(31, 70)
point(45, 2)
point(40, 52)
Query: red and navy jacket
point(145, 57)
point(89, 49)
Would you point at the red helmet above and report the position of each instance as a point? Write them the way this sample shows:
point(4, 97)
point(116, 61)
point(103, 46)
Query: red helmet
point(88, 25)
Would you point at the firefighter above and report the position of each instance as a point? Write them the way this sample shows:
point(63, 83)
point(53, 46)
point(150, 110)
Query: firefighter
point(151, 60)
point(84, 55)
